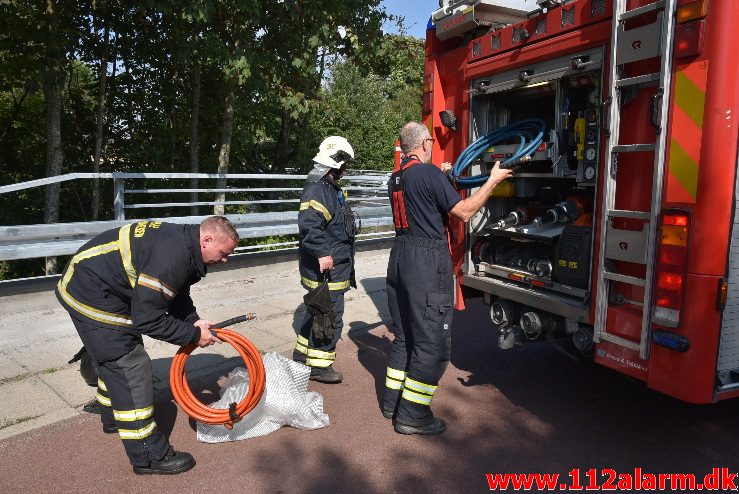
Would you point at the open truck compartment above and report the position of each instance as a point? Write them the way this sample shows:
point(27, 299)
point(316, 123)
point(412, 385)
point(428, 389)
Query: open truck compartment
point(532, 243)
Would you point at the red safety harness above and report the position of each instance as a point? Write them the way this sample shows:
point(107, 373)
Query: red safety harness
point(404, 225)
point(400, 217)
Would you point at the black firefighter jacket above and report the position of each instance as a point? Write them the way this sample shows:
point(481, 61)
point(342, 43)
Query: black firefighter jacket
point(327, 228)
point(133, 281)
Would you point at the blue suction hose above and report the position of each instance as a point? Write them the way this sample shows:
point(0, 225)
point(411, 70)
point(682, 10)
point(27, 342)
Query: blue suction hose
point(530, 133)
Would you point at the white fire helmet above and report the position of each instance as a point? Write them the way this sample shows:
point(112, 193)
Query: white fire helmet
point(334, 151)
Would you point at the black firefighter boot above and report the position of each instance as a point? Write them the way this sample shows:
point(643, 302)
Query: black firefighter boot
point(327, 375)
point(110, 428)
point(93, 406)
point(437, 426)
point(172, 463)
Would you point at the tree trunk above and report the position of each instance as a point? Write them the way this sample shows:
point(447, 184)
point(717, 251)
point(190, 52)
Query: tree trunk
point(171, 119)
point(112, 90)
point(284, 150)
point(100, 123)
point(194, 117)
point(322, 65)
point(224, 152)
point(53, 81)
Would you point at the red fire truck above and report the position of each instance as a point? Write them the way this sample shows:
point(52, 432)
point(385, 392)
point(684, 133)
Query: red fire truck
point(618, 228)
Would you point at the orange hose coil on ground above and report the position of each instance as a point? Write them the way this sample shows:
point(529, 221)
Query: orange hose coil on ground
point(193, 407)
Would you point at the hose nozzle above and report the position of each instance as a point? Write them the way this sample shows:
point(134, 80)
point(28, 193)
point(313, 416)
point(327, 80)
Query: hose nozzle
point(516, 164)
point(517, 217)
point(230, 322)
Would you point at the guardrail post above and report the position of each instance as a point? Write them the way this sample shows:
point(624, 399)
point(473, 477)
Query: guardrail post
point(118, 200)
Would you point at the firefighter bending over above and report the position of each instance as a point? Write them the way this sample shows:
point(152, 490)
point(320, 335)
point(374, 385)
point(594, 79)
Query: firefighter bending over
point(327, 230)
point(420, 283)
point(135, 281)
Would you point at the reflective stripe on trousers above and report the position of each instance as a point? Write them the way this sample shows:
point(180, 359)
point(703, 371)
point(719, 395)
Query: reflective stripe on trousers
point(129, 382)
point(316, 352)
point(126, 390)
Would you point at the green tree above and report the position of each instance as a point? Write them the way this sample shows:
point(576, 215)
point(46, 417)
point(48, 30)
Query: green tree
point(189, 85)
point(370, 97)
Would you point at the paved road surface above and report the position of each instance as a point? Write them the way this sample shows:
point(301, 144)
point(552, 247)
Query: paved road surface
point(527, 410)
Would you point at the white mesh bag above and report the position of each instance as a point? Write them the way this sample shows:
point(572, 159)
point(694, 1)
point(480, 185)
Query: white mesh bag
point(286, 401)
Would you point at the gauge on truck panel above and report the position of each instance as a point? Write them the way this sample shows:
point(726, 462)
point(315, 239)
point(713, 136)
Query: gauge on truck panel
point(591, 135)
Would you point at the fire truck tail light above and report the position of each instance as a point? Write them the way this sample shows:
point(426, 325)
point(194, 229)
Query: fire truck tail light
point(669, 318)
point(674, 235)
point(690, 10)
point(675, 219)
point(689, 39)
point(427, 103)
point(670, 282)
point(671, 268)
point(428, 83)
point(672, 256)
point(428, 93)
point(723, 294)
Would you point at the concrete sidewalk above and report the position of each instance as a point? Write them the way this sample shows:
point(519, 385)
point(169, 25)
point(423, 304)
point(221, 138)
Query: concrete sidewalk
point(37, 338)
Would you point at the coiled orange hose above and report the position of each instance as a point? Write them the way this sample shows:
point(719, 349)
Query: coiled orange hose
point(193, 407)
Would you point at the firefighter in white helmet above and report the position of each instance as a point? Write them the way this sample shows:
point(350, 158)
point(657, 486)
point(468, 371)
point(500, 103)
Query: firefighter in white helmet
point(327, 230)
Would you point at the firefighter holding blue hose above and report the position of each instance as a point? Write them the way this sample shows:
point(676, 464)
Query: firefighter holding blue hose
point(420, 282)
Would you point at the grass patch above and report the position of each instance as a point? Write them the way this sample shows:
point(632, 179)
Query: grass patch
point(13, 379)
point(8, 423)
point(50, 370)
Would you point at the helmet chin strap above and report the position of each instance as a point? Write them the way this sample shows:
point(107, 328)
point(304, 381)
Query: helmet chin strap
point(337, 173)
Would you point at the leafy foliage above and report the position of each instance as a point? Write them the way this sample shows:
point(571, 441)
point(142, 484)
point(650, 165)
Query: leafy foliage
point(296, 72)
point(368, 103)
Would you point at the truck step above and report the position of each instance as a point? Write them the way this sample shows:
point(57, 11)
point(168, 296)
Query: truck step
point(620, 341)
point(621, 213)
point(631, 280)
point(639, 11)
point(632, 148)
point(646, 79)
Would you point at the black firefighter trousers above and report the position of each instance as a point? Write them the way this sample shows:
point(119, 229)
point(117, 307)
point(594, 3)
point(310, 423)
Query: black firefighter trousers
point(320, 353)
point(420, 291)
point(126, 391)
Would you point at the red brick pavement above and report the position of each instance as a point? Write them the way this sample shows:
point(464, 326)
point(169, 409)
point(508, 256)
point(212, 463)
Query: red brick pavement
point(528, 410)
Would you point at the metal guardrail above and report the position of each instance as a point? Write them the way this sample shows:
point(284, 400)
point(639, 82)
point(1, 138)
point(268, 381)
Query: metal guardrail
point(367, 192)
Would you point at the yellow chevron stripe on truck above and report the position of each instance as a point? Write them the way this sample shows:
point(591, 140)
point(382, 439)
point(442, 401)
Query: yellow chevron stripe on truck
point(686, 132)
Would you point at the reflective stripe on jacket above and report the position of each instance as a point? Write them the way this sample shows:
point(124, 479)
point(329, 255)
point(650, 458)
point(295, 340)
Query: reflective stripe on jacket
point(326, 224)
point(137, 278)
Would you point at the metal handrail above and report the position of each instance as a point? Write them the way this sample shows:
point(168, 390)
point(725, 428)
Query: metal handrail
point(124, 175)
point(47, 240)
point(119, 187)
